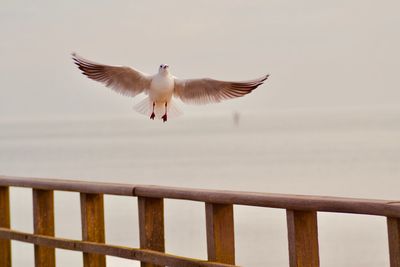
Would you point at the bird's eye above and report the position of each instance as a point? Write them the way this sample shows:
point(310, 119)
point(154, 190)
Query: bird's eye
point(160, 66)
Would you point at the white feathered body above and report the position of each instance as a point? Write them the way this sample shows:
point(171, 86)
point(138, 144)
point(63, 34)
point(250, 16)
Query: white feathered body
point(161, 88)
point(160, 92)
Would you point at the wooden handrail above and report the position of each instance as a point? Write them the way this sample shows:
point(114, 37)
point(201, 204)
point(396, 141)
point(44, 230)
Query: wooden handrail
point(68, 185)
point(301, 212)
point(280, 201)
point(270, 200)
point(104, 249)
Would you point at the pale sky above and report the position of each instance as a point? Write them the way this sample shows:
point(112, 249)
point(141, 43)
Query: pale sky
point(320, 54)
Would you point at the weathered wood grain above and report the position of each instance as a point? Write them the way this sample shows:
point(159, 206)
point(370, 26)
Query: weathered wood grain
point(92, 215)
point(303, 238)
point(151, 225)
point(393, 225)
point(5, 245)
point(43, 224)
point(220, 233)
point(142, 255)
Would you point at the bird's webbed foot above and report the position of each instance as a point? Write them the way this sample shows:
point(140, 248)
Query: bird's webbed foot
point(164, 117)
point(152, 116)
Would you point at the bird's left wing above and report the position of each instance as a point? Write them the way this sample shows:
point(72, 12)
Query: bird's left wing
point(202, 91)
point(124, 80)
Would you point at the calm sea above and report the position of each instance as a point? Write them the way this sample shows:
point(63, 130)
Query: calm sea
point(352, 153)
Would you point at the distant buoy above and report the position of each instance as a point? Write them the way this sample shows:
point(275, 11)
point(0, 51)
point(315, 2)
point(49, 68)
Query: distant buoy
point(236, 118)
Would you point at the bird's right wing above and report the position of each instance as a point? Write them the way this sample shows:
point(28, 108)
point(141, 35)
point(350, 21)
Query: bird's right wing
point(124, 80)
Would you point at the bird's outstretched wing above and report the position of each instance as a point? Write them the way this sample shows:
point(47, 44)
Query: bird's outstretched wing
point(124, 80)
point(202, 91)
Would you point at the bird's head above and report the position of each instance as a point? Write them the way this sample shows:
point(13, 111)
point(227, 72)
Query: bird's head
point(164, 68)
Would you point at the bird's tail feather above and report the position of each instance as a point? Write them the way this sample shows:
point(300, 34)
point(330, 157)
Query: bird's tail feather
point(145, 107)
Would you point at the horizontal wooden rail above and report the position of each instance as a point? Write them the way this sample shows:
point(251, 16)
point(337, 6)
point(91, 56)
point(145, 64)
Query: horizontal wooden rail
point(281, 201)
point(104, 249)
point(68, 185)
point(388, 208)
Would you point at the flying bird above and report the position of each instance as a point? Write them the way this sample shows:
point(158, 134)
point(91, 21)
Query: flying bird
point(161, 87)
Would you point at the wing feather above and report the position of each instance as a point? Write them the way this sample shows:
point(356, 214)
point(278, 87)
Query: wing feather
point(202, 91)
point(124, 80)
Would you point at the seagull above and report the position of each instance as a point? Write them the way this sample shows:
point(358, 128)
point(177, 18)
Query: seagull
point(163, 86)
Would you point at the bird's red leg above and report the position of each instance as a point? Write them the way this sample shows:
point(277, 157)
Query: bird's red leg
point(165, 117)
point(152, 116)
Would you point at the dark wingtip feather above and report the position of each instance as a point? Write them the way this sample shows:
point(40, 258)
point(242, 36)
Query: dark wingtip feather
point(264, 78)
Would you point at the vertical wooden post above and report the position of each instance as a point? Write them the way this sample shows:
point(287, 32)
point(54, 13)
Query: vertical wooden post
point(393, 225)
point(5, 245)
point(151, 225)
point(92, 215)
point(303, 238)
point(43, 224)
point(220, 233)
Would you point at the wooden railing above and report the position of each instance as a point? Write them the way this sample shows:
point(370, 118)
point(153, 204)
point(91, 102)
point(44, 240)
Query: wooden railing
point(301, 222)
